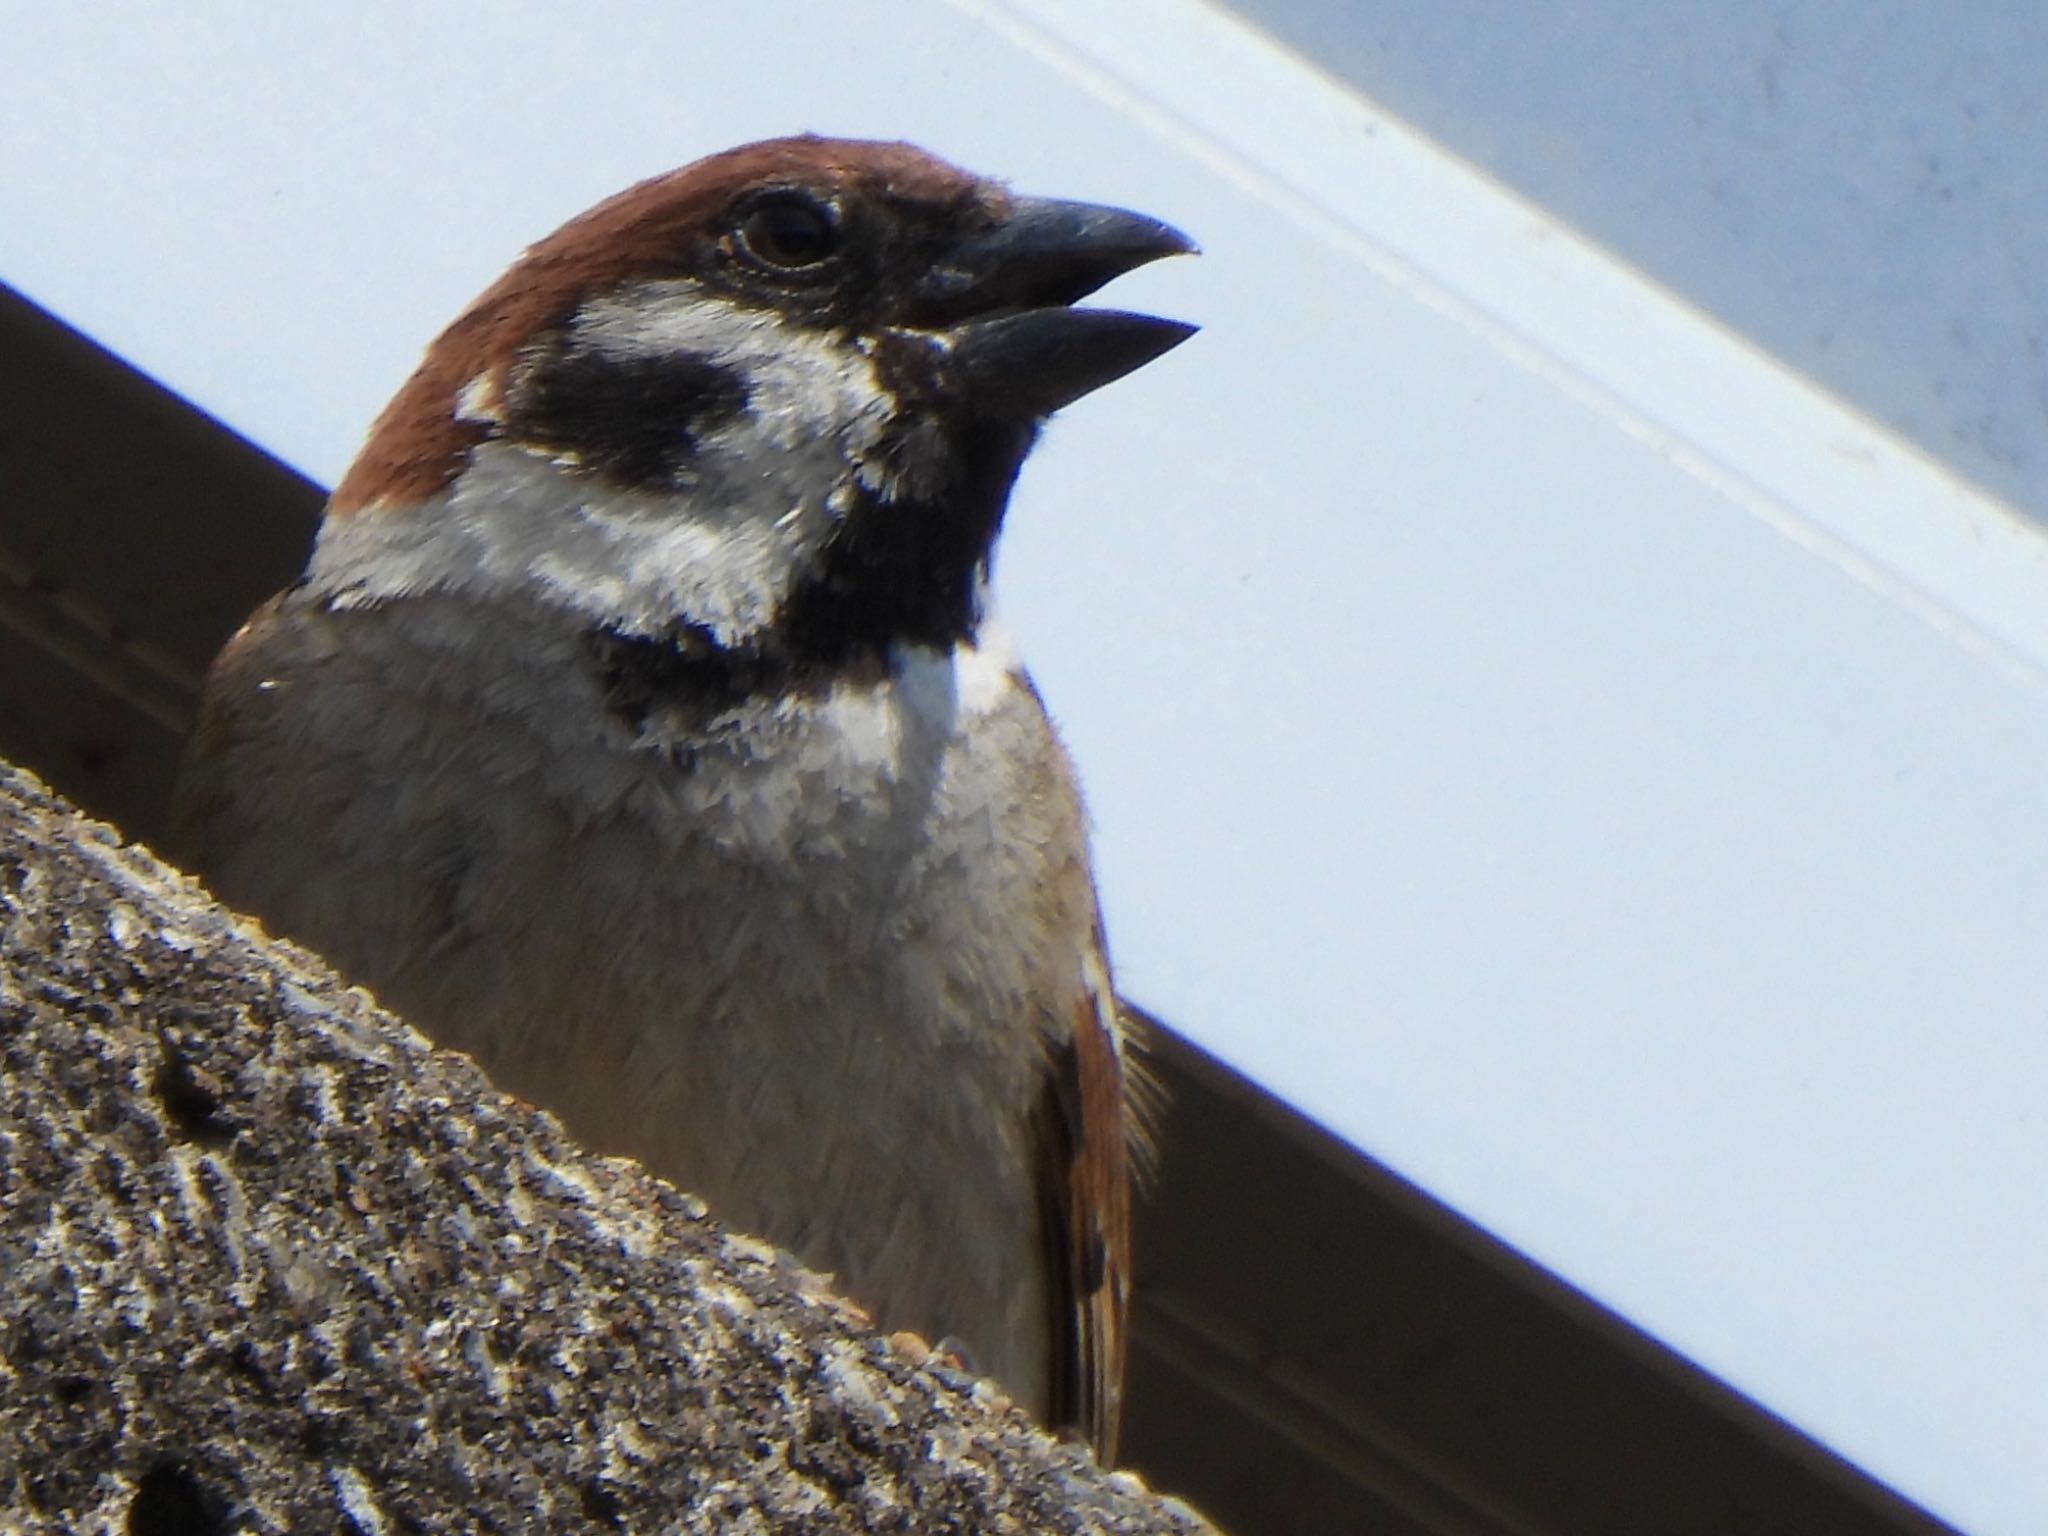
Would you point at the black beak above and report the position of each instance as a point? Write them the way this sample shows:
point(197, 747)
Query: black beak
point(1002, 304)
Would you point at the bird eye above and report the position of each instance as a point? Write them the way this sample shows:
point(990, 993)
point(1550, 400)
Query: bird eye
point(789, 231)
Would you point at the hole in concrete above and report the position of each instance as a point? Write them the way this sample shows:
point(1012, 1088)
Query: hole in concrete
point(71, 1390)
point(170, 1501)
point(190, 1099)
point(603, 1506)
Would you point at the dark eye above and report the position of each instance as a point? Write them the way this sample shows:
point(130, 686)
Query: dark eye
point(789, 231)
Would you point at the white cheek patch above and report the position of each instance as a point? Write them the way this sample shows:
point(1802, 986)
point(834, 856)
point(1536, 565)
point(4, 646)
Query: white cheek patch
point(766, 491)
point(810, 395)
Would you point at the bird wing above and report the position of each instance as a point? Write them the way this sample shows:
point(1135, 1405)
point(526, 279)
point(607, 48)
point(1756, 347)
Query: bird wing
point(1086, 1127)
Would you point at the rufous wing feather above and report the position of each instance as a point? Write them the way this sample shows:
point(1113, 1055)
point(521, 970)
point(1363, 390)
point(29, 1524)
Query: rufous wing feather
point(1087, 1192)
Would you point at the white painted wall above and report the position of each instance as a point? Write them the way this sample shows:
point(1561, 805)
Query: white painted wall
point(1528, 727)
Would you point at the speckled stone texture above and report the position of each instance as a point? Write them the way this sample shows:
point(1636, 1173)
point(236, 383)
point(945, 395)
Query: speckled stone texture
point(269, 1263)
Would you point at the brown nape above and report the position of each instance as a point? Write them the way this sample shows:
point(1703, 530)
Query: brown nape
point(417, 446)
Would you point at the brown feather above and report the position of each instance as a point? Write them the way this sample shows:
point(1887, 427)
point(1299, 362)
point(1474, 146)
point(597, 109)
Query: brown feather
point(1086, 1133)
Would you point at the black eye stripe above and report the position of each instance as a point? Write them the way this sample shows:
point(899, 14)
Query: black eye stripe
point(636, 419)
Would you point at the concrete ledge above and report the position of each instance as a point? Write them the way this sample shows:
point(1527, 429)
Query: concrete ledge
point(273, 1263)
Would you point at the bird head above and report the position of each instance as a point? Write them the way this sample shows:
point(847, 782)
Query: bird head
point(777, 397)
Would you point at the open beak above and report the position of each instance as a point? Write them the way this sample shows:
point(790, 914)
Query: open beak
point(1004, 298)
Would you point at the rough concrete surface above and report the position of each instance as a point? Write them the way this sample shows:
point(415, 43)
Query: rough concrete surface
point(269, 1262)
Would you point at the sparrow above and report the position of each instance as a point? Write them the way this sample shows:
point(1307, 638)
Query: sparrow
point(639, 725)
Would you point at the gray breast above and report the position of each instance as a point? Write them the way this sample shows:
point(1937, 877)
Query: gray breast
point(804, 958)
